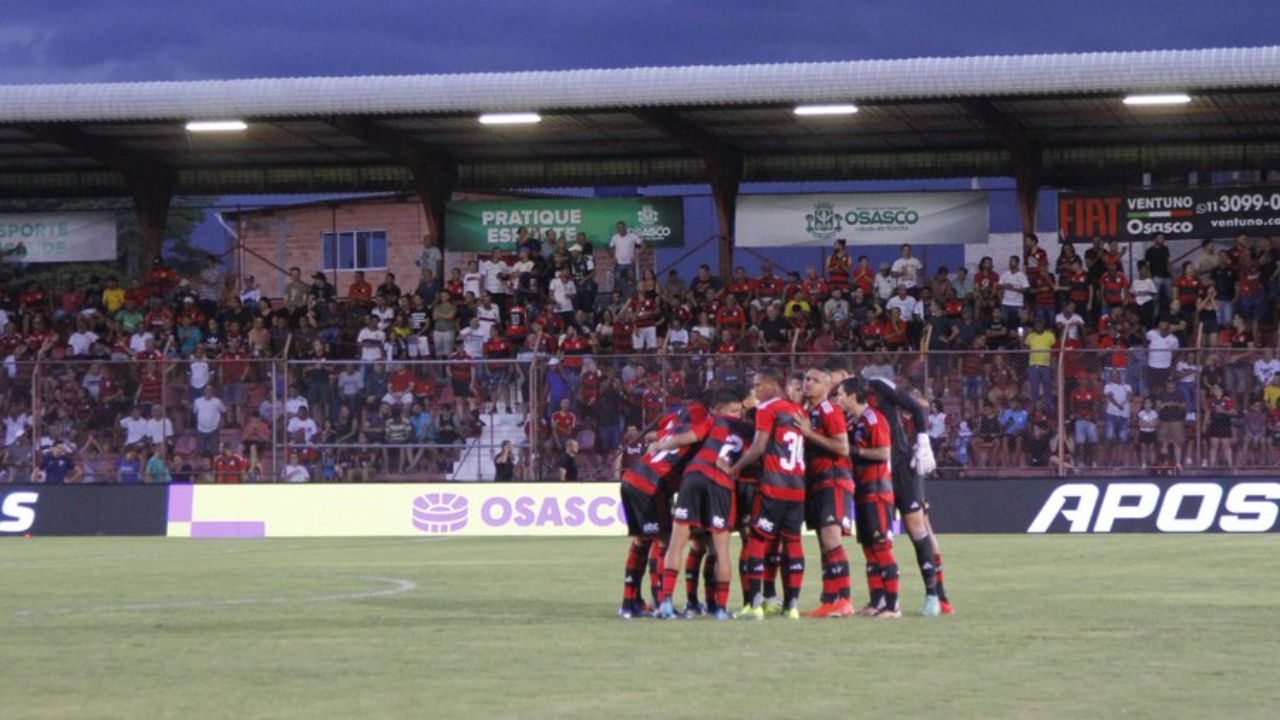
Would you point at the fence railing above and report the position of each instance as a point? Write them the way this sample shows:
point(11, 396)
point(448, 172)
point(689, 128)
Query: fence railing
point(1116, 410)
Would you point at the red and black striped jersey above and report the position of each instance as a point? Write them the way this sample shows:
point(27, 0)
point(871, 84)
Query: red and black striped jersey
point(871, 430)
point(783, 476)
point(665, 468)
point(823, 466)
point(727, 439)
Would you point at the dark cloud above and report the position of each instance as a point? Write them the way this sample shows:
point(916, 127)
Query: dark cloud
point(70, 41)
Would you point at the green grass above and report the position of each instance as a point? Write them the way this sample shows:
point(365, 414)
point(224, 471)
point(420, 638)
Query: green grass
point(1099, 626)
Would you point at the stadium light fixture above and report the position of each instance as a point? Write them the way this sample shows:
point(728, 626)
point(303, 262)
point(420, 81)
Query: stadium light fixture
point(844, 109)
point(197, 126)
point(1158, 99)
point(515, 118)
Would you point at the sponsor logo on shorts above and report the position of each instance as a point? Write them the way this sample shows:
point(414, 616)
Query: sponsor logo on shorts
point(764, 524)
point(650, 528)
point(717, 521)
point(845, 523)
point(681, 513)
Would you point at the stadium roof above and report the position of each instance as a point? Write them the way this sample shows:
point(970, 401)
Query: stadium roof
point(1057, 116)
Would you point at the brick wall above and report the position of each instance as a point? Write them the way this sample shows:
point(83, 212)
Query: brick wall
point(290, 235)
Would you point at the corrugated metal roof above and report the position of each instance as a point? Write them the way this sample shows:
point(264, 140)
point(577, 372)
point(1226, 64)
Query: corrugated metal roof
point(870, 80)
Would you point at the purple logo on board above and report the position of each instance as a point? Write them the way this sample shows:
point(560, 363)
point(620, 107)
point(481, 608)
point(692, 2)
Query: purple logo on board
point(440, 513)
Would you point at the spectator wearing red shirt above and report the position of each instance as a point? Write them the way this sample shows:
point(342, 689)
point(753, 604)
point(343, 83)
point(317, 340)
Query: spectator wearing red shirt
point(731, 317)
point(864, 276)
point(228, 466)
point(839, 266)
point(1115, 286)
point(814, 286)
point(646, 310)
point(574, 346)
point(563, 423)
point(1084, 408)
point(742, 287)
point(1187, 287)
point(360, 290)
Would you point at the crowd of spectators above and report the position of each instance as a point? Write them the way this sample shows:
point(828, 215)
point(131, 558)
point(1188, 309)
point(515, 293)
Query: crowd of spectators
point(166, 377)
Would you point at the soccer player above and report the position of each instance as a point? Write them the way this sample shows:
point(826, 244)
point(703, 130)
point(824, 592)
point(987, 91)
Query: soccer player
point(869, 449)
point(706, 502)
point(794, 391)
point(779, 511)
point(647, 487)
point(829, 483)
point(909, 470)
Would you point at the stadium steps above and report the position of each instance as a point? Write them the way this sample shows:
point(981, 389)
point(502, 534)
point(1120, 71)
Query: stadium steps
point(476, 464)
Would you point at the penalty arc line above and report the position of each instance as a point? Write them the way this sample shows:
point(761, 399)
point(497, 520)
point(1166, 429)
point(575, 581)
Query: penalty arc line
point(398, 586)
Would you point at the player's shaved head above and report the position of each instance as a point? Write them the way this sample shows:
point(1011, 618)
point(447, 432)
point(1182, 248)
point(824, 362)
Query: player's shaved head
point(768, 383)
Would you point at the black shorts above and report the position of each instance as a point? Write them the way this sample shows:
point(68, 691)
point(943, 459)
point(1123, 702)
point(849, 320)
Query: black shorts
point(648, 516)
point(1147, 438)
point(872, 519)
point(774, 516)
point(908, 487)
point(747, 498)
point(702, 503)
point(829, 505)
point(462, 388)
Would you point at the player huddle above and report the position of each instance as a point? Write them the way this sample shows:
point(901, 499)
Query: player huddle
point(825, 449)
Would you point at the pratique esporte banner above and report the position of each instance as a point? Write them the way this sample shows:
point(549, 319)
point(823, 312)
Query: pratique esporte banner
point(480, 225)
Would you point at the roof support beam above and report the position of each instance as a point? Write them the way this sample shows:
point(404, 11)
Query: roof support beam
point(435, 174)
point(723, 164)
point(1024, 157)
point(150, 183)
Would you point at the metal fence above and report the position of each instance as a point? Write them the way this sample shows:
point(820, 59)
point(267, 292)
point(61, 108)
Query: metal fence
point(1115, 410)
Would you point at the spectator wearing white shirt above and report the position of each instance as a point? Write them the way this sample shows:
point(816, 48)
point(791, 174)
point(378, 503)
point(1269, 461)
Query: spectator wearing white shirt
point(159, 428)
point(1144, 293)
point(1118, 411)
point(82, 339)
point(1013, 286)
point(209, 411)
point(562, 293)
point(885, 283)
point(294, 471)
point(908, 307)
point(139, 339)
point(906, 270)
point(473, 339)
point(488, 313)
point(302, 423)
point(472, 280)
point(1069, 323)
point(135, 429)
point(371, 339)
point(494, 272)
point(1160, 347)
point(1266, 367)
point(198, 373)
point(16, 423)
point(296, 403)
point(625, 246)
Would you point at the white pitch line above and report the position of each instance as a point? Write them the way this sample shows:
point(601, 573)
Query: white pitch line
point(397, 586)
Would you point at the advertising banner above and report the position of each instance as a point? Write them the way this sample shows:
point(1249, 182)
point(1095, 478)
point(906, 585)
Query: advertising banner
point(1120, 505)
point(39, 510)
point(862, 219)
point(58, 237)
point(466, 510)
point(1198, 213)
point(481, 225)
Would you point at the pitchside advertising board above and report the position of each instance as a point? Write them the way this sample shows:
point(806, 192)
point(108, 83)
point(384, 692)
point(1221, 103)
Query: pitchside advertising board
point(481, 225)
point(1197, 213)
point(58, 237)
point(862, 219)
point(1034, 506)
point(39, 510)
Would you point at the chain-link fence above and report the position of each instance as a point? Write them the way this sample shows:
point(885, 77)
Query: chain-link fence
point(1111, 410)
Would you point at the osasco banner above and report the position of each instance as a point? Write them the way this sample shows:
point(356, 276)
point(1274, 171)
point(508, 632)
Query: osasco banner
point(480, 225)
point(58, 237)
point(455, 509)
point(862, 219)
point(1197, 213)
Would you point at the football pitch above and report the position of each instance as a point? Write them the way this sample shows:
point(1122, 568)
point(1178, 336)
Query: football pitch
point(1047, 626)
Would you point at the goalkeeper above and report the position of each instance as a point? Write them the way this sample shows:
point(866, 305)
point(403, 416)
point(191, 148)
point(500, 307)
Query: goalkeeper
point(909, 469)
